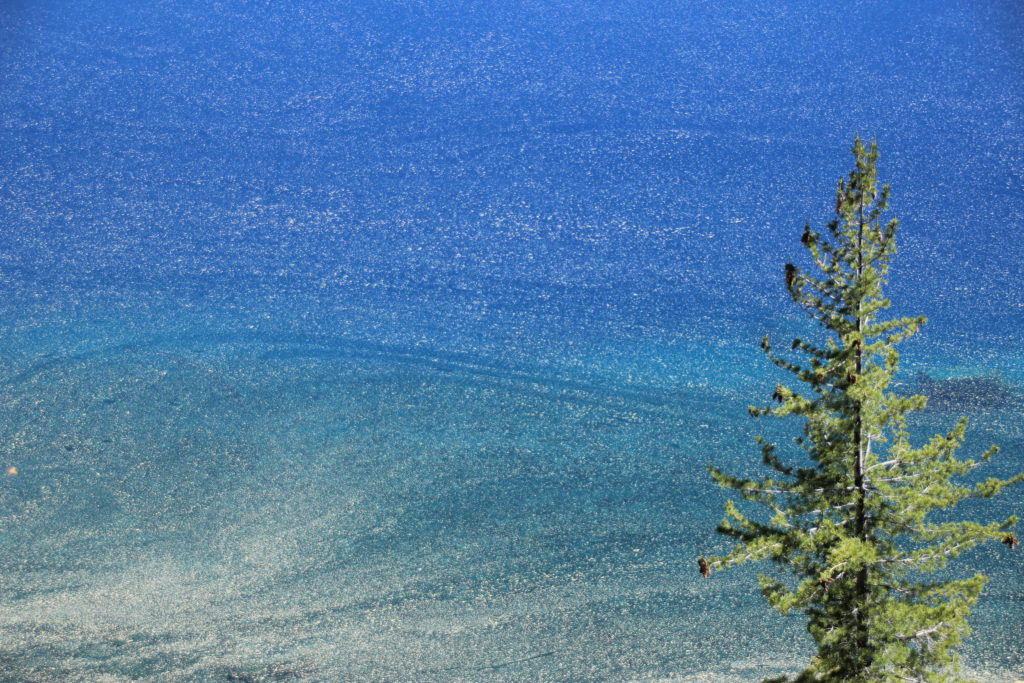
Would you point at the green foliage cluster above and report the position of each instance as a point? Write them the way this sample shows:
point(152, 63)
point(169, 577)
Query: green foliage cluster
point(854, 526)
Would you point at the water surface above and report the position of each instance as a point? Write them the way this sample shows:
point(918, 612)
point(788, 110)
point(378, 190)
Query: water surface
point(390, 341)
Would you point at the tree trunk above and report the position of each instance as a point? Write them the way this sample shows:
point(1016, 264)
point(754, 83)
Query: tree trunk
point(859, 477)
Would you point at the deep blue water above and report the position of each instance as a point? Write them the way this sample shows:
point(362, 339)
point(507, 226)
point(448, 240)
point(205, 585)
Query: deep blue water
point(390, 340)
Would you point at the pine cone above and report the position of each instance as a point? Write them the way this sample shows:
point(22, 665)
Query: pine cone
point(705, 568)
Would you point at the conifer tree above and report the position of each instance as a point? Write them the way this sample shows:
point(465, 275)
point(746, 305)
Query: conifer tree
point(851, 520)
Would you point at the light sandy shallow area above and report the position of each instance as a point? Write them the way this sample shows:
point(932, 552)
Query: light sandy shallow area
point(257, 509)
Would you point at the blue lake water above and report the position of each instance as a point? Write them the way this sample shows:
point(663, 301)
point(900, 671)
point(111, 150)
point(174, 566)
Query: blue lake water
point(389, 341)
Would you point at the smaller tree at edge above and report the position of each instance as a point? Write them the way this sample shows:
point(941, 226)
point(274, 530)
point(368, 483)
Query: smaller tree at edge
point(853, 524)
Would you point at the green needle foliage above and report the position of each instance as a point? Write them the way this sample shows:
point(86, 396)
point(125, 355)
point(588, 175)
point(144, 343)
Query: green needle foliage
point(853, 526)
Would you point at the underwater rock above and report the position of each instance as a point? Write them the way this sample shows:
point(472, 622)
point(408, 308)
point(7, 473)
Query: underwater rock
point(271, 673)
point(966, 393)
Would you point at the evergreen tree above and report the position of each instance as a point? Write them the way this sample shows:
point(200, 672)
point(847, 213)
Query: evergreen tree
point(853, 523)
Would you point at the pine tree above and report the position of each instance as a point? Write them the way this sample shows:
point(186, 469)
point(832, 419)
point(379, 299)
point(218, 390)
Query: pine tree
point(852, 521)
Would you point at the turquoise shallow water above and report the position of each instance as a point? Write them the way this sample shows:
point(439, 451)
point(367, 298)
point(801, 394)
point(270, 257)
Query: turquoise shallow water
point(390, 341)
point(223, 503)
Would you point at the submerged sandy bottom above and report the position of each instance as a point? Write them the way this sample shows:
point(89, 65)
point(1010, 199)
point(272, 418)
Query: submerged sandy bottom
point(246, 509)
